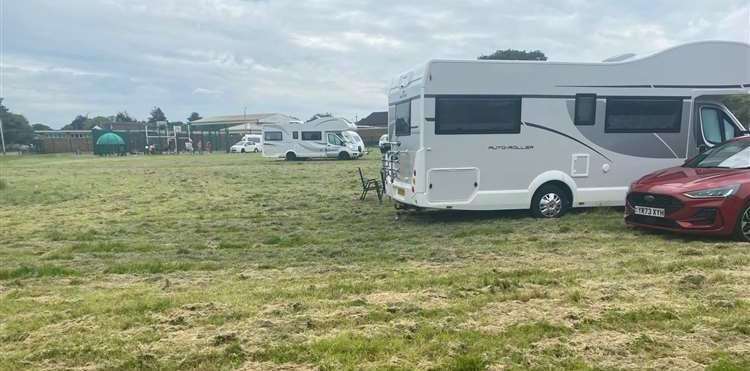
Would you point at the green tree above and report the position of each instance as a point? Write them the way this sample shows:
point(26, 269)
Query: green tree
point(40, 127)
point(195, 116)
point(515, 55)
point(77, 123)
point(157, 115)
point(84, 123)
point(123, 117)
point(16, 128)
point(740, 106)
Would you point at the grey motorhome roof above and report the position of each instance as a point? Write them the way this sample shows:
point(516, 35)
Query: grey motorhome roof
point(709, 67)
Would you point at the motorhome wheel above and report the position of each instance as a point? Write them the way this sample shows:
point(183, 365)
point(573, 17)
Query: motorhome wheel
point(255, 150)
point(743, 225)
point(243, 150)
point(290, 156)
point(344, 156)
point(549, 202)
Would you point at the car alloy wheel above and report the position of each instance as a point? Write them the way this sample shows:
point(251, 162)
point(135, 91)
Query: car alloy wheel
point(550, 205)
point(743, 231)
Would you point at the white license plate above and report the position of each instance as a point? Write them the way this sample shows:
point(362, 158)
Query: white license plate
point(649, 211)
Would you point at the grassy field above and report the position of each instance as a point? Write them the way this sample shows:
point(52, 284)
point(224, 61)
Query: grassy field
point(224, 262)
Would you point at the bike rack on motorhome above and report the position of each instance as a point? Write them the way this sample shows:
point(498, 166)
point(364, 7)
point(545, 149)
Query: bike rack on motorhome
point(493, 135)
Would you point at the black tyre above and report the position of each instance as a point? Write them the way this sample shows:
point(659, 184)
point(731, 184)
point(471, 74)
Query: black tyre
point(743, 225)
point(290, 156)
point(243, 150)
point(344, 156)
point(549, 202)
point(255, 150)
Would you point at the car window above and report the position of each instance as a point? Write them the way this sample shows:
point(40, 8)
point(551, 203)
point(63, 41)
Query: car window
point(710, 125)
point(334, 140)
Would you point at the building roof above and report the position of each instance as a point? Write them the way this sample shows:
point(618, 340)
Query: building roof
point(377, 119)
point(250, 121)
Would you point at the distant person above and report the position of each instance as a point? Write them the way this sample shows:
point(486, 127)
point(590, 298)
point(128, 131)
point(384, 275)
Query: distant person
point(200, 147)
point(209, 146)
point(189, 146)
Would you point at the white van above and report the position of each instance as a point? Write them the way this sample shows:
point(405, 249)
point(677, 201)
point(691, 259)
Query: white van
point(319, 138)
point(492, 135)
point(353, 137)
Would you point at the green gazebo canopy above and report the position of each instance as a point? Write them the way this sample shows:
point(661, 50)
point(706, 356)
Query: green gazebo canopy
point(110, 139)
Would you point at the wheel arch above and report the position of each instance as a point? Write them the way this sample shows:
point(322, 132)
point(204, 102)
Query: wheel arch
point(556, 178)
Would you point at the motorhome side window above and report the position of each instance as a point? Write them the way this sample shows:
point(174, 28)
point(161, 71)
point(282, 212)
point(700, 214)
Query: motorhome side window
point(585, 109)
point(272, 136)
point(295, 135)
point(643, 115)
point(477, 115)
point(312, 135)
point(403, 119)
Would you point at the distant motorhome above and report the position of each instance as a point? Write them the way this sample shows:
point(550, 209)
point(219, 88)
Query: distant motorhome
point(493, 135)
point(325, 137)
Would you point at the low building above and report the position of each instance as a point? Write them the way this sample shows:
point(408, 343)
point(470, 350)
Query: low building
point(372, 127)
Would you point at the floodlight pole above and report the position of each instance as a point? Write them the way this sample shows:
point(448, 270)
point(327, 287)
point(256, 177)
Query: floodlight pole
point(2, 136)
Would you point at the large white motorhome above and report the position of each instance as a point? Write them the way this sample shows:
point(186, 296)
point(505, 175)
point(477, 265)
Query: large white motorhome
point(493, 135)
point(324, 137)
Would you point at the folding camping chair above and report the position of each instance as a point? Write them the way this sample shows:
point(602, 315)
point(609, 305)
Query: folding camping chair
point(370, 185)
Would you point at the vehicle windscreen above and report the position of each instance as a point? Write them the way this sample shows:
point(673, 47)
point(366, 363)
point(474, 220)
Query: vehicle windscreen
point(352, 137)
point(732, 155)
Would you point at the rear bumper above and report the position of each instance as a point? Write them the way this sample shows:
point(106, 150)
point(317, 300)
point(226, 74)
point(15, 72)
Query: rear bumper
point(686, 215)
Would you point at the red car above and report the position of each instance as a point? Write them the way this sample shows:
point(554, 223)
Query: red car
point(709, 194)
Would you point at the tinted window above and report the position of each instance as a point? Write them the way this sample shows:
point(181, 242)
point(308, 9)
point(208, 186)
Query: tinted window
point(311, 135)
point(477, 115)
point(295, 135)
point(403, 119)
point(585, 109)
point(272, 136)
point(643, 115)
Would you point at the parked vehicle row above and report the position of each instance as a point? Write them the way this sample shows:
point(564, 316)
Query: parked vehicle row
point(548, 136)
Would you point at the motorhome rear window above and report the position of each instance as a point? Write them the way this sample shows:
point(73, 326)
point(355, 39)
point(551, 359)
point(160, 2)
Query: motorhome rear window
point(312, 135)
point(643, 115)
point(272, 136)
point(585, 109)
point(477, 115)
point(403, 119)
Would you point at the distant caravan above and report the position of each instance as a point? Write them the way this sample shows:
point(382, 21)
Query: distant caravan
point(325, 137)
point(547, 136)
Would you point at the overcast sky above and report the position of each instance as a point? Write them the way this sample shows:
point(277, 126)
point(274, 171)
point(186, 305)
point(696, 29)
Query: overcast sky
point(63, 58)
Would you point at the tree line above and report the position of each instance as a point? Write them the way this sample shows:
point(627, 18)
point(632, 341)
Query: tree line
point(17, 130)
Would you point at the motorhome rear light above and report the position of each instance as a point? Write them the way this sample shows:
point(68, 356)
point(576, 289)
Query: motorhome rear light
point(412, 189)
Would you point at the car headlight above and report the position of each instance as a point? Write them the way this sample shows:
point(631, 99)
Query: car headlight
point(722, 192)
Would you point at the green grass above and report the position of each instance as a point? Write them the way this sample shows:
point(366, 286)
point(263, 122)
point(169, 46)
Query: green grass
point(224, 262)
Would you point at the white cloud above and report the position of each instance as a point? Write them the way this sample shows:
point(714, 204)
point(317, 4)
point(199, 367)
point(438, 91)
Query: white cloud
point(204, 91)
